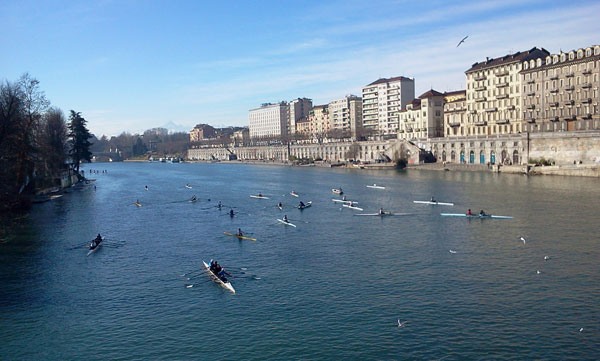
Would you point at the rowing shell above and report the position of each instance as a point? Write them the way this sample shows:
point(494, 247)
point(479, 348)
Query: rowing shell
point(240, 237)
point(259, 197)
point(474, 216)
point(214, 277)
point(92, 250)
point(434, 203)
point(138, 204)
point(308, 204)
point(352, 207)
point(375, 186)
point(382, 215)
point(343, 201)
point(188, 187)
point(294, 194)
point(286, 223)
point(337, 191)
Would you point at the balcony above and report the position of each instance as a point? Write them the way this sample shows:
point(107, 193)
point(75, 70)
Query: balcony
point(502, 96)
point(587, 72)
point(531, 94)
point(491, 110)
point(570, 89)
point(473, 111)
point(570, 103)
point(479, 77)
point(570, 118)
point(587, 116)
point(570, 75)
point(553, 90)
point(480, 99)
point(531, 121)
point(502, 73)
point(554, 105)
point(587, 101)
point(511, 107)
point(480, 123)
point(502, 85)
point(586, 86)
point(481, 88)
point(502, 121)
point(554, 77)
point(454, 124)
point(530, 81)
point(409, 130)
point(554, 119)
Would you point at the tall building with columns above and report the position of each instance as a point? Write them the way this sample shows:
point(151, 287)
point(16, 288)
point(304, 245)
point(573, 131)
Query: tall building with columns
point(560, 91)
point(494, 93)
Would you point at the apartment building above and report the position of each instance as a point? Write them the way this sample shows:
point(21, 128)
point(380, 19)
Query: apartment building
point(494, 93)
point(382, 101)
point(320, 120)
point(299, 108)
point(202, 132)
point(270, 120)
point(455, 113)
point(560, 91)
point(423, 118)
point(346, 114)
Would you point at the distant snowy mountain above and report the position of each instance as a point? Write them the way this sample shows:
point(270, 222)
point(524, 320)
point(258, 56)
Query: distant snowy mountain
point(174, 128)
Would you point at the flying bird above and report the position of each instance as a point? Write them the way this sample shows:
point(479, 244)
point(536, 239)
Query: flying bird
point(546, 258)
point(462, 41)
point(453, 252)
point(581, 329)
point(400, 324)
point(523, 239)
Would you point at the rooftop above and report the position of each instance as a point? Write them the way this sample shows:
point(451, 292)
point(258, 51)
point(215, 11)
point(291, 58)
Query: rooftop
point(430, 93)
point(519, 56)
point(387, 80)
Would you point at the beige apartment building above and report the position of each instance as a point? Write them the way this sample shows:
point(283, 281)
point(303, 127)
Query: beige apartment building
point(560, 91)
point(202, 132)
point(346, 114)
point(321, 122)
point(494, 93)
point(455, 113)
point(270, 120)
point(423, 118)
point(382, 101)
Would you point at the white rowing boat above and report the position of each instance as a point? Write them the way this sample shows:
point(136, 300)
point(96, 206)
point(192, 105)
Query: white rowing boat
point(337, 191)
point(474, 216)
point(188, 186)
point(352, 207)
point(375, 186)
point(343, 201)
point(306, 205)
point(294, 194)
point(382, 215)
point(436, 203)
point(259, 197)
point(286, 223)
point(227, 285)
point(138, 204)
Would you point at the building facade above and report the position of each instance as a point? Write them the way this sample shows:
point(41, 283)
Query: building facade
point(346, 114)
point(202, 132)
point(382, 100)
point(494, 94)
point(320, 120)
point(423, 118)
point(299, 109)
point(560, 91)
point(270, 120)
point(455, 113)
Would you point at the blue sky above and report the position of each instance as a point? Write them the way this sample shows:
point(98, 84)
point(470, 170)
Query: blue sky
point(134, 65)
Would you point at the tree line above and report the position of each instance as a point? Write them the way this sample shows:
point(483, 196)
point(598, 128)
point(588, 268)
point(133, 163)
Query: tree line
point(152, 141)
point(37, 145)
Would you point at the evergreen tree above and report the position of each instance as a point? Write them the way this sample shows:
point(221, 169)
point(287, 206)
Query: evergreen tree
point(79, 135)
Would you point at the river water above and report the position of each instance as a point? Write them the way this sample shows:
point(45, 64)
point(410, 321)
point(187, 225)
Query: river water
point(332, 288)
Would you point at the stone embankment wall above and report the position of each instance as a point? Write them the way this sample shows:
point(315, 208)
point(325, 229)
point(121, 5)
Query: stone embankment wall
point(566, 148)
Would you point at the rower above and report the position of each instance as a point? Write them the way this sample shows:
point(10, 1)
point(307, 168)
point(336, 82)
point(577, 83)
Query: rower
point(344, 198)
point(285, 219)
point(301, 205)
point(231, 214)
point(433, 199)
point(219, 205)
point(259, 194)
point(194, 198)
point(280, 205)
point(482, 213)
point(146, 187)
point(381, 212)
point(469, 213)
point(239, 233)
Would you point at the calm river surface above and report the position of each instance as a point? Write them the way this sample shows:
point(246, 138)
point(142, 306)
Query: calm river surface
point(332, 288)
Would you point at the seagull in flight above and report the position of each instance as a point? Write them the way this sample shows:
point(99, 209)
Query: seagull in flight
point(538, 272)
point(400, 324)
point(453, 252)
point(523, 239)
point(581, 329)
point(462, 41)
point(546, 258)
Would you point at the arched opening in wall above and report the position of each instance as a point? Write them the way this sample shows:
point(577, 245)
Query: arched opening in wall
point(371, 156)
point(481, 157)
point(472, 157)
point(493, 157)
point(516, 157)
point(453, 156)
point(444, 156)
point(504, 156)
point(462, 156)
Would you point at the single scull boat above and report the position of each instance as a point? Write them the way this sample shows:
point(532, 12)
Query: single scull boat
point(240, 237)
point(375, 186)
point(286, 223)
point(94, 247)
point(352, 207)
point(294, 194)
point(259, 197)
point(434, 203)
point(343, 201)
